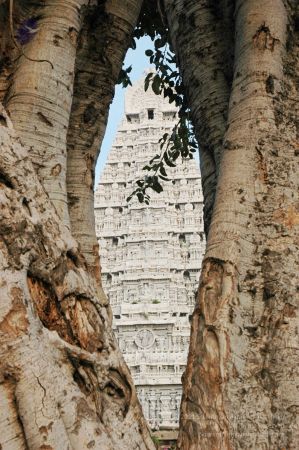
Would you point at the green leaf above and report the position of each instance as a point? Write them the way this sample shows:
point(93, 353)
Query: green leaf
point(168, 92)
point(160, 42)
point(140, 197)
point(158, 56)
point(168, 161)
point(179, 89)
point(174, 75)
point(147, 80)
point(156, 84)
point(164, 178)
point(175, 155)
point(163, 171)
point(133, 44)
point(156, 186)
point(163, 139)
point(149, 52)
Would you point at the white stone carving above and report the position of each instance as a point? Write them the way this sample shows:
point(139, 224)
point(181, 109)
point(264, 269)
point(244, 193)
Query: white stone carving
point(145, 338)
point(150, 255)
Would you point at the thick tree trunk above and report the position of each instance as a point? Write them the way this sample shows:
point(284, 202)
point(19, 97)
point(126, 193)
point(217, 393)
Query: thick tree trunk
point(241, 379)
point(104, 38)
point(63, 381)
point(202, 36)
point(39, 97)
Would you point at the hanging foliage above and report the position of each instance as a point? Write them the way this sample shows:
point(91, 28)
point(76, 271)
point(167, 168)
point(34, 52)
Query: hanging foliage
point(165, 80)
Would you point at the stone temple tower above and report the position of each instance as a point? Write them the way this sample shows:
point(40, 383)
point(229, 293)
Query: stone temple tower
point(150, 255)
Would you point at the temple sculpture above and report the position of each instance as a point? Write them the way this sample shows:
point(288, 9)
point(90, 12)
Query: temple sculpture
point(150, 255)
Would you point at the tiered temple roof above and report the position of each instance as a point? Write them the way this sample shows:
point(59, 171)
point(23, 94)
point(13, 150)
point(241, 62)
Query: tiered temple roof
point(150, 255)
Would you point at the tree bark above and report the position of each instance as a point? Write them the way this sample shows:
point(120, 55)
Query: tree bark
point(239, 388)
point(63, 381)
point(205, 58)
point(39, 97)
point(103, 40)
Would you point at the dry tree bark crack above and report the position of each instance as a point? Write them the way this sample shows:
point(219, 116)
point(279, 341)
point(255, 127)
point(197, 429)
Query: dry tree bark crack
point(240, 67)
point(63, 381)
point(51, 320)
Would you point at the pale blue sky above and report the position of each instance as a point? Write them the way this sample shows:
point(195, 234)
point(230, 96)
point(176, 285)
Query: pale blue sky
point(139, 63)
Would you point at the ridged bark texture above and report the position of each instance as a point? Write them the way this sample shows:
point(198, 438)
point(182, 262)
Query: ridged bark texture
point(105, 36)
point(43, 90)
point(240, 386)
point(202, 35)
point(63, 382)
